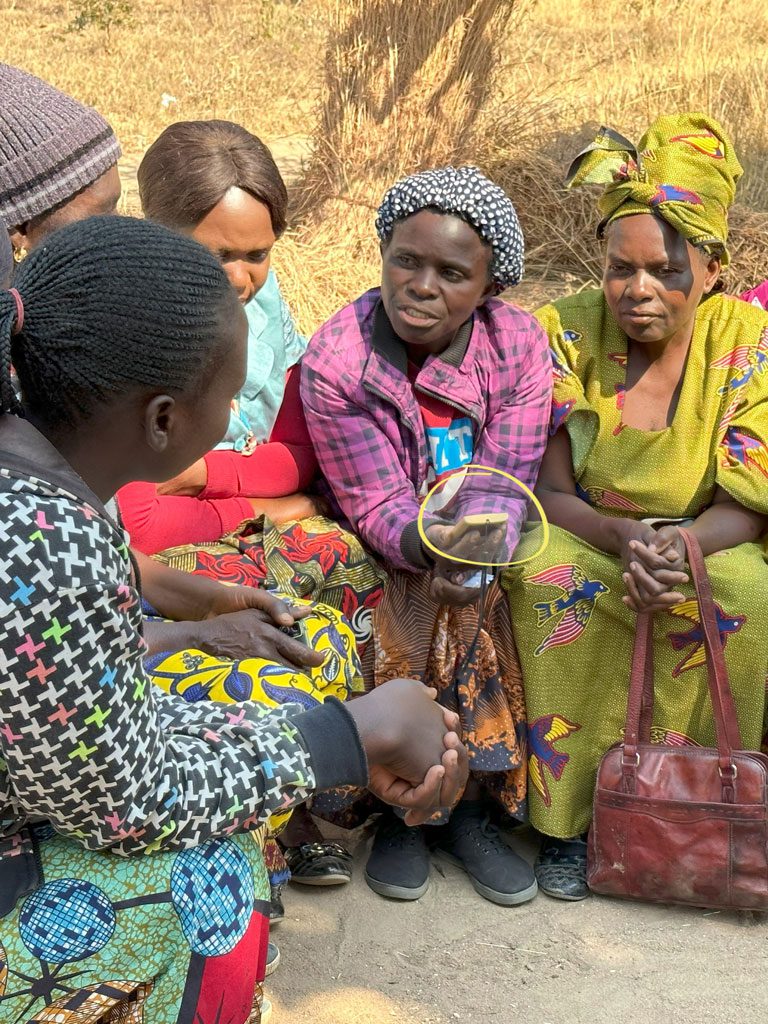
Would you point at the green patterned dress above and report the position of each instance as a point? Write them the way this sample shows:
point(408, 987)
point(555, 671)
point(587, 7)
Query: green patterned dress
point(572, 631)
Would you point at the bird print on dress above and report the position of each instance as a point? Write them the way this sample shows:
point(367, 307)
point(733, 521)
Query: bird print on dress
point(671, 738)
point(734, 406)
point(750, 359)
point(601, 497)
point(574, 606)
point(542, 736)
point(694, 637)
point(743, 450)
point(673, 194)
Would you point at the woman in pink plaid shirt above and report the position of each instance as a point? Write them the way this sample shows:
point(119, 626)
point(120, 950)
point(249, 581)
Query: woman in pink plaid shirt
point(403, 389)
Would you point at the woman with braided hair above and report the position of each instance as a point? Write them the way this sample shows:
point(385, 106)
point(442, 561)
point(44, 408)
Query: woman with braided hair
point(132, 885)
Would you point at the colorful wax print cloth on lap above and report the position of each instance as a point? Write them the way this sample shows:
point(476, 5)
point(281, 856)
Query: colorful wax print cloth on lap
point(314, 559)
point(572, 631)
point(196, 676)
point(417, 638)
point(199, 917)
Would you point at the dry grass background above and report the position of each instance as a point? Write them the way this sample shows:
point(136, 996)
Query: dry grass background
point(366, 90)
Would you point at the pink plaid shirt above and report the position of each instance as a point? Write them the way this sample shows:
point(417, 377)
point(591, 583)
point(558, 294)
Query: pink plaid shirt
point(368, 432)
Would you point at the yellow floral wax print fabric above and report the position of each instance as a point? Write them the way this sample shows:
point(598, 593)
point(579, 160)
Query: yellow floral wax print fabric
point(195, 676)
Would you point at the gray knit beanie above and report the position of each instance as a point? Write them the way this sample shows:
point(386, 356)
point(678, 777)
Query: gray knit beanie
point(6, 257)
point(51, 146)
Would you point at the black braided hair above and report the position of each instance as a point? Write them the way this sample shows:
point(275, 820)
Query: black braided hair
point(8, 400)
point(111, 304)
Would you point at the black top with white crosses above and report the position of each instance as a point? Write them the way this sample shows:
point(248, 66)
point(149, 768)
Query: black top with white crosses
point(87, 742)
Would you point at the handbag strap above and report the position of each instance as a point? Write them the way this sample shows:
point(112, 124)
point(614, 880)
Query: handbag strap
point(640, 702)
point(641, 696)
point(726, 721)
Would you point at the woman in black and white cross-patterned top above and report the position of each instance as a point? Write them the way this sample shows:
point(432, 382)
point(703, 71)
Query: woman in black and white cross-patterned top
point(130, 864)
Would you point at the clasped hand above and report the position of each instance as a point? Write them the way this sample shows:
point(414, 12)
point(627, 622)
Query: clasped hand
point(654, 564)
point(416, 759)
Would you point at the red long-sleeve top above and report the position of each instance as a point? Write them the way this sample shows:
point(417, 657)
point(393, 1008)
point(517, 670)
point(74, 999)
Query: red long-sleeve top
point(284, 465)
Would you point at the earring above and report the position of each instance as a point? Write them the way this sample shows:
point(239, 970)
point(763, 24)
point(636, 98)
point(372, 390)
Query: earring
point(19, 255)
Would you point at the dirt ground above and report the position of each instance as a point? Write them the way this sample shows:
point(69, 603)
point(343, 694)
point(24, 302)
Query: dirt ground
point(350, 957)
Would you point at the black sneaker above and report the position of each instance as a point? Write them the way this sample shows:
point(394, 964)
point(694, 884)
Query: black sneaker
point(561, 868)
point(320, 863)
point(472, 843)
point(398, 866)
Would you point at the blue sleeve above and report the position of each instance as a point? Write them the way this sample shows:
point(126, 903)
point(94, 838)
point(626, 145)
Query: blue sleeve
point(295, 343)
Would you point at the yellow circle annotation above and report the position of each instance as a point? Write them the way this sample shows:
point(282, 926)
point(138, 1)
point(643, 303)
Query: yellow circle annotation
point(482, 471)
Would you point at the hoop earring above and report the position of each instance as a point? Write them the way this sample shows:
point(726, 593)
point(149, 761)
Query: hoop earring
point(19, 255)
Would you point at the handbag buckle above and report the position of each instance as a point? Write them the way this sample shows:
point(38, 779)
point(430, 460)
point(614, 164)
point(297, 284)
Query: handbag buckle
point(732, 773)
point(626, 764)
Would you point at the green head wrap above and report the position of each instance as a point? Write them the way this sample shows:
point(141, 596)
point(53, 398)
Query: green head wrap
point(684, 170)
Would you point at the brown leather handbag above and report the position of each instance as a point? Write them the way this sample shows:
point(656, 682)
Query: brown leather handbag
point(681, 824)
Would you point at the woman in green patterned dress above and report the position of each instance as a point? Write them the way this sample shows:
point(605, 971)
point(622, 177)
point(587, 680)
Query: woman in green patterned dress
point(660, 417)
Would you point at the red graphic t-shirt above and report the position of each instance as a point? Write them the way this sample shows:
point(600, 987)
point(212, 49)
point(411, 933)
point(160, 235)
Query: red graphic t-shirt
point(449, 436)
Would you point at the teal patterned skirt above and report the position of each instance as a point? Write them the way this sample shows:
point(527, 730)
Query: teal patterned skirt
point(160, 938)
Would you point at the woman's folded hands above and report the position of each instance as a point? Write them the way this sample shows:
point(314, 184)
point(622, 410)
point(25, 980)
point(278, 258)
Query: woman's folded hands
point(654, 562)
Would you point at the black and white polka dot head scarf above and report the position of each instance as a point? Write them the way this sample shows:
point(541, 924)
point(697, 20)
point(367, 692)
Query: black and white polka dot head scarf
point(466, 193)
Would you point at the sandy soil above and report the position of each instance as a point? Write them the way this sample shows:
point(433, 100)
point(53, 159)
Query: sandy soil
point(350, 957)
